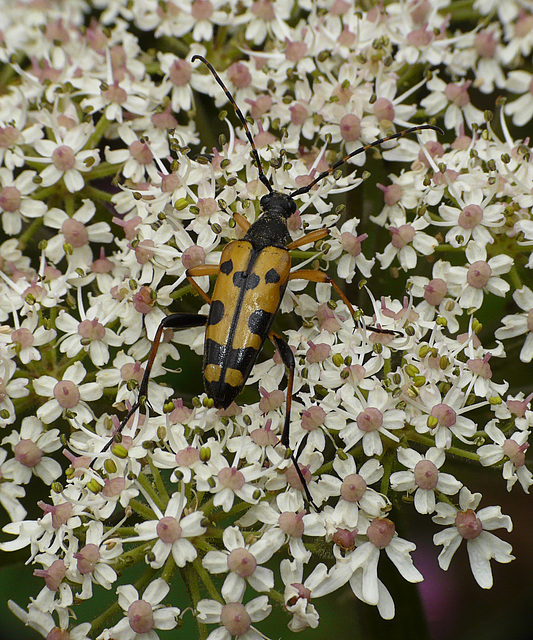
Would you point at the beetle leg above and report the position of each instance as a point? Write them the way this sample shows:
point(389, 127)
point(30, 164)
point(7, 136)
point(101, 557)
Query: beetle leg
point(173, 321)
point(199, 271)
point(238, 217)
point(312, 236)
point(287, 358)
point(313, 275)
point(242, 221)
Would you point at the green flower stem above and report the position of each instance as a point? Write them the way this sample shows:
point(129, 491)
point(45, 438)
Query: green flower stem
point(149, 488)
point(413, 436)
point(69, 205)
point(387, 367)
point(203, 544)
point(233, 513)
point(205, 577)
point(97, 195)
point(176, 45)
point(103, 170)
point(65, 364)
point(190, 579)
point(442, 497)
point(133, 556)
point(183, 291)
point(409, 75)
point(387, 460)
point(276, 596)
point(142, 509)
point(208, 506)
point(99, 131)
point(168, 569)
point(122, 532)
point(7, 72)
point(222, 37)
point(514, 276)
point(160, 485)
point(45, 193)
point(102, 622)
point(462, 10)
point(446, 248)
point(32, 229)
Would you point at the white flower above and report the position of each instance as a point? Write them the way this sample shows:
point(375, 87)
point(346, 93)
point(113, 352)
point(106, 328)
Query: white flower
point(520, 323)
point(10, 494)
point(514, 449)
point(45, 624)
point(138, 155)
point(15, 204)
point(10, 387)
point(230, 482)
point(437, 294)
point(47, 534)
point(381, 535)
point(93, 560)
point(66, 157)
point(444, 416)
point(454, 100)
point(299, 592)
point(145, 614)
point(353, 260)
point(372, 418)
point(28, 336)
point(475, 219)
point(242, 560)
point(67, 394)
point(352, 488)
point(521, 109)
point(407, 242)
point(75, 231)
point(29, 445)
point(475, 528)
point(424, 478)
point(294, 523)
point(171, 532)
point(384, 604)
point(480, 276)
point(234, 618)
point(89, 333)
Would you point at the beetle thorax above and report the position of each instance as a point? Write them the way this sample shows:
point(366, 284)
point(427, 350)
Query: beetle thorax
point(269, 230)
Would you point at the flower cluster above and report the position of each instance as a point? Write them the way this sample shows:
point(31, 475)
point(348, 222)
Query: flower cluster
point(111, 190)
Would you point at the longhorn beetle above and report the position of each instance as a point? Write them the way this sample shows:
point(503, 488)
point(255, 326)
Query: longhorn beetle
point(251, 280)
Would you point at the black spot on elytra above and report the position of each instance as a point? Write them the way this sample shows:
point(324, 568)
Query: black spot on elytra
point(226, 267)
point(272, 276)
point(259, 321)
point(243, 281)
point(216, 312)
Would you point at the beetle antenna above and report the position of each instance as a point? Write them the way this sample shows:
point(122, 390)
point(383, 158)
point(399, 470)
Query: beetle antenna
point(241, 117)
point(340, 162)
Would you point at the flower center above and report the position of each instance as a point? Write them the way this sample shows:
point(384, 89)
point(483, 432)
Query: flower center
point(353, 488)
point(141, 616)
point(242, 562)
point(370, 419)
point(168, 529)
